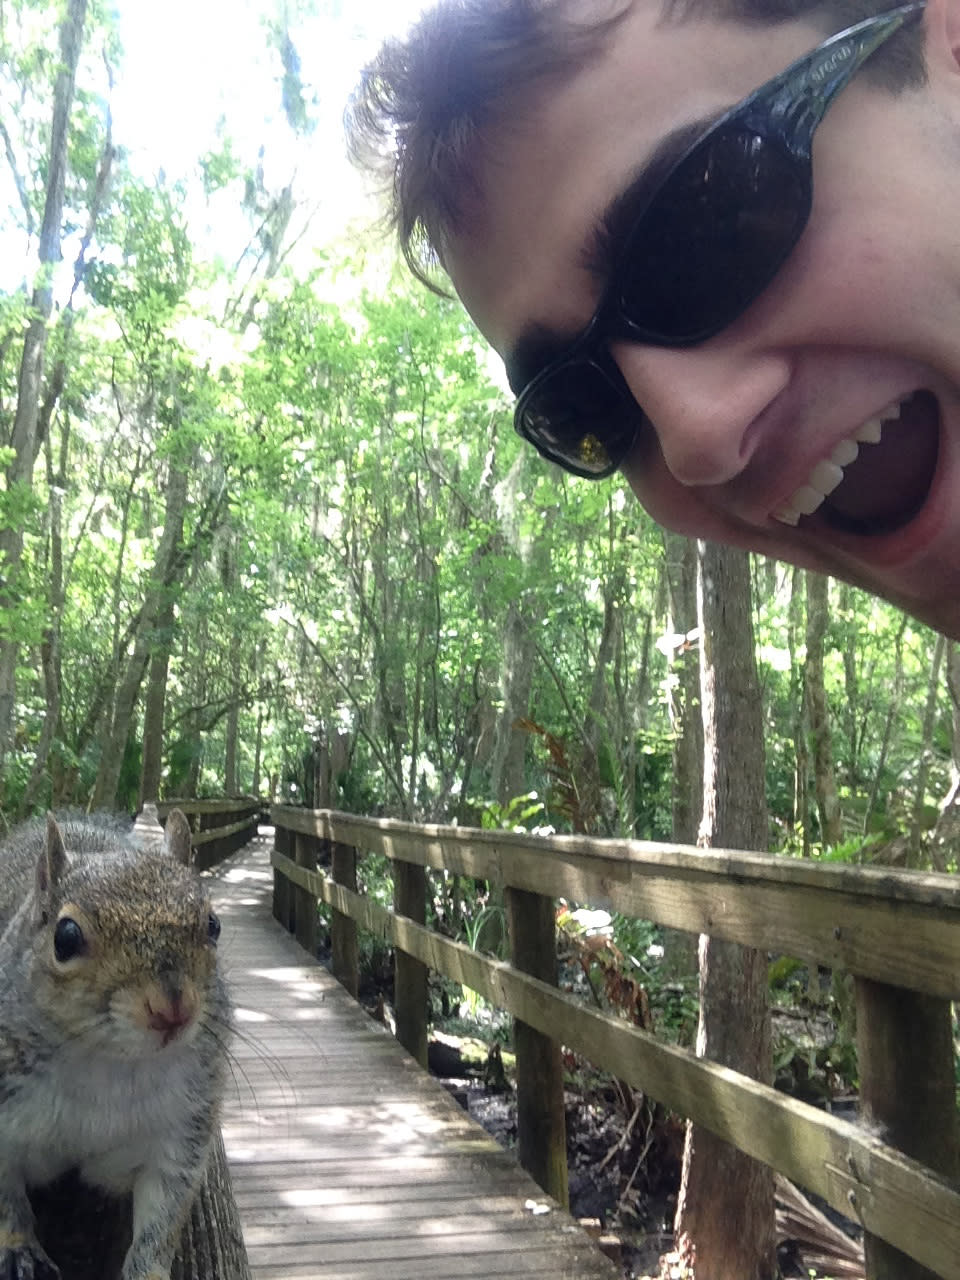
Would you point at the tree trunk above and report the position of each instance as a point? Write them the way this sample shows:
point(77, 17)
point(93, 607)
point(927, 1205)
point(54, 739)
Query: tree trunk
point(725, 1211)
point(157, 597)
point(258, 754)
point(846, 612)
point(686, 721)
point(508, 777)
point(893, 712)
point(596, 725)
point(50, 652)
point(801, 793)
point(815, 694)
point(231, 734)
point(154, 707)
point(914, 858)
point(24, 440)
point(945, 842)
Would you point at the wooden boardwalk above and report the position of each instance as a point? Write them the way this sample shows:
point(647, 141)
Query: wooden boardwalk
point(348, 1161)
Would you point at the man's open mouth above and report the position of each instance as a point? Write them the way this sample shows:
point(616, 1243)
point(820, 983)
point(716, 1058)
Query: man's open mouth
point(877, 481)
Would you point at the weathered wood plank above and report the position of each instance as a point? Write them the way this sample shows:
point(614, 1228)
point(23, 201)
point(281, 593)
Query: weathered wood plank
point(894, 1197)
point(387, 1252)
point(343, 930)
point(200, 838)
point(570, 1264)
point(915, 1109)
point(338, 1181)
point(364, 1203)
point(234, 804)
point(409, 975)
point(830, 914)
point(541, 1117)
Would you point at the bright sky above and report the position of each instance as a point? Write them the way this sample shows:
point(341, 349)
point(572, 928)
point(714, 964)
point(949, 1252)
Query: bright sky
point(188, 63)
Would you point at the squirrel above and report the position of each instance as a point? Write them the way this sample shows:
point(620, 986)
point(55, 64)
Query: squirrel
point(113, 1026)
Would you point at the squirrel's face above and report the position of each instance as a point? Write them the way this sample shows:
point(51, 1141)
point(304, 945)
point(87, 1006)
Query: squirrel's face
point(125, 954)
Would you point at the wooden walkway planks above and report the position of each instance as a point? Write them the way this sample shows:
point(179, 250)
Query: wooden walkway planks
point(348, 1161)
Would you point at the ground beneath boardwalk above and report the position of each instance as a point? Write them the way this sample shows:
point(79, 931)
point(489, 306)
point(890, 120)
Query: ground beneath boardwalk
point(624, 1157)
point(624, 1151)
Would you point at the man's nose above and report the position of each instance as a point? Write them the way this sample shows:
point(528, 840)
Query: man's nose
point(704, 403)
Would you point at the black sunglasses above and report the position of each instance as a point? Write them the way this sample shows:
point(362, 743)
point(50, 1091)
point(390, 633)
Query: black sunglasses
point(711, 238)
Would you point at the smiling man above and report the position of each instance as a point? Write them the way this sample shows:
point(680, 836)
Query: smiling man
point(718, 248)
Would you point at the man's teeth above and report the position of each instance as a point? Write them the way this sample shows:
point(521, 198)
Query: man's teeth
point(828, 473)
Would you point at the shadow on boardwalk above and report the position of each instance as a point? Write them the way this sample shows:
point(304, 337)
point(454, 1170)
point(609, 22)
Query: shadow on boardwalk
point(348, 1161)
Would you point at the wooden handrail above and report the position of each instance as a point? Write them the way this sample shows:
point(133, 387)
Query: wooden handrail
point(894, 930)
point(838, 916)
point(214, 834)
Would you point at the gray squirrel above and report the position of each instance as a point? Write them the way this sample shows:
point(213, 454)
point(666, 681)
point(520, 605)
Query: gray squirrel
point(113, 1027)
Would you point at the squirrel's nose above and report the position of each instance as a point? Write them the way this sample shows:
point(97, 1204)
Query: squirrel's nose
point(169, 1017)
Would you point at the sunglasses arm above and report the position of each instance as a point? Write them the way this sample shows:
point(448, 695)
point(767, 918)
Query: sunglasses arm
point(796, 101)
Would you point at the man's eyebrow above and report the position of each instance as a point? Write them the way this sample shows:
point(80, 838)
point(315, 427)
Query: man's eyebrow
point(607, 237)
point(538, 345)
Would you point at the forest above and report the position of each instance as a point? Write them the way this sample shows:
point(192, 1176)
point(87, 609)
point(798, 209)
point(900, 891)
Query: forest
point(265, 527)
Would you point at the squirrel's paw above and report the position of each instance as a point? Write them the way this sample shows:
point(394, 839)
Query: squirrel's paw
point(26, 1262)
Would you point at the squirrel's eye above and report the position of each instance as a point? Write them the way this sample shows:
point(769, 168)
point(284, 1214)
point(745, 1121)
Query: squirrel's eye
point(68, 939)
point(213, 927)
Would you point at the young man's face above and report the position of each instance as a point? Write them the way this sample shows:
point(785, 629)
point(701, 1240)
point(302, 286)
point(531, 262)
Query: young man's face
point(750, 427)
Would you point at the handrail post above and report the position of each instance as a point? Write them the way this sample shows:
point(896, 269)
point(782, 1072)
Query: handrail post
point(304, 902)
point(343, 930)
point(410, 975)
point(282, 888)
point(541, 1120)
point(907, 1087)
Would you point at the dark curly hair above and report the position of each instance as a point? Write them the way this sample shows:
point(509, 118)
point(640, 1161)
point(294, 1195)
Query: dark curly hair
point(425, 103)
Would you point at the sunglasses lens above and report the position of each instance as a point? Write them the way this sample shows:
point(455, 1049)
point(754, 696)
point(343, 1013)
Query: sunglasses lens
point(715, 236)
point(580, 416)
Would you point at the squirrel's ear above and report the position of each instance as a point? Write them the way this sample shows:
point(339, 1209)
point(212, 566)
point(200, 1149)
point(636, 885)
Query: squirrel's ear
point(177, 837)
point(52, 862)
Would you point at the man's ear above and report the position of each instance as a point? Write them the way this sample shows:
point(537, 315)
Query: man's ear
point(941, 21)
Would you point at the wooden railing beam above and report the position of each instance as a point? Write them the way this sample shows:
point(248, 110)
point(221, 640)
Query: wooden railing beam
point(908, 1094)
point(822, 913)
point(343, 929)
point(898, 1172)
point(283, 887)
point(304, 902)
point(894, 1196)
point(411, 974)
point(541, 1120)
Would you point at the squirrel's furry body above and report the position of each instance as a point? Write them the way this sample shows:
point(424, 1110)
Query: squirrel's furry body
point(113, 1022)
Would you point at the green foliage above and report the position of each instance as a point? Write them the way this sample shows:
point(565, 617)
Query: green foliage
point(219, 168)
point(484, 924)
point(512, 816)
point(374, 581)
point(855, 851)
point(476, 922)
point(146, 285)
point(782, 970)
